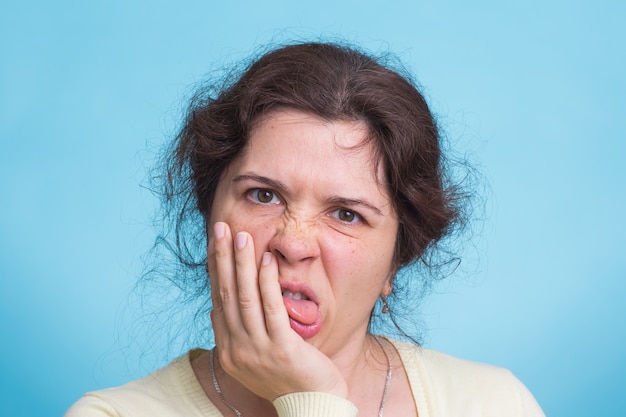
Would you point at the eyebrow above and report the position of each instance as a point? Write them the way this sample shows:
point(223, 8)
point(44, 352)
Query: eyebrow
point(351, 202)
point(279, 186)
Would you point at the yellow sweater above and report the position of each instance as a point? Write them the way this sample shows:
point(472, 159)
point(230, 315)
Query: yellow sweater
point(443, 386)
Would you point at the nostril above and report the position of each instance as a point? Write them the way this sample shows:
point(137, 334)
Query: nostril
point(279, 255)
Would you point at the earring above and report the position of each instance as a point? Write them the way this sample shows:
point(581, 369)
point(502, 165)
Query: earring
point(385, 309)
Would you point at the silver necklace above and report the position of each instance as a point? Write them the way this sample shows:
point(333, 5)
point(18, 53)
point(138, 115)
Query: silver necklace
point(232, 408)
point(387, 378)
point(218, 390)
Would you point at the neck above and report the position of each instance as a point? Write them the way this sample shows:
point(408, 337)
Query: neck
point(358, 358)
point(372, 365)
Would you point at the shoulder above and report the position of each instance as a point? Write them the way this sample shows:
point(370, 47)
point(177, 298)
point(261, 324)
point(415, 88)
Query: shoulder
point(453, 386)
point(170, 391)
point(442, 368)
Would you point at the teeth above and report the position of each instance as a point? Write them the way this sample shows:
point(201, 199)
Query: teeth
point(295, 295)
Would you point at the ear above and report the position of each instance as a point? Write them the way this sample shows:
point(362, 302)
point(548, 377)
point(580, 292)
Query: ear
point(388, 286)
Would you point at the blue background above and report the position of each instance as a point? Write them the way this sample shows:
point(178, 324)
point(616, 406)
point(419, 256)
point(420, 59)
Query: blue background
point(533, 90)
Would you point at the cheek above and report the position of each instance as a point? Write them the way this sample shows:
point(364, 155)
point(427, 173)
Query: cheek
point(355, 262)
point(261, 232)
point(239, 220)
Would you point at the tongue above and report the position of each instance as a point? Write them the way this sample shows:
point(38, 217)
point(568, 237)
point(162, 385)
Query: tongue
point(303, 311)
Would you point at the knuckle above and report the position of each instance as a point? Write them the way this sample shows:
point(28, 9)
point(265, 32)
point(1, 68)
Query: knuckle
point(247, 302)
point(225, 295)
point(273, 309)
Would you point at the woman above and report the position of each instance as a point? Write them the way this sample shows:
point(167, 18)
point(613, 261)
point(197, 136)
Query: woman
point(318, 174)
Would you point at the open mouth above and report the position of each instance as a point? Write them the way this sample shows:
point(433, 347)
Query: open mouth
point(305, 316)
point(294, 295)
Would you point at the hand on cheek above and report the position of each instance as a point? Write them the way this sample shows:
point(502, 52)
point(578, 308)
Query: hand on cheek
point(255, 342)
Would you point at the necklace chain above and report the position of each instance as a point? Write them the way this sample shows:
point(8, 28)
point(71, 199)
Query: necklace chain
point(220, 394)
point(387, 377)
point(218, 390)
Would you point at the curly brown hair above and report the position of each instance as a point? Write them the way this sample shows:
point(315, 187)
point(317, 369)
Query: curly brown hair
point(333, 82)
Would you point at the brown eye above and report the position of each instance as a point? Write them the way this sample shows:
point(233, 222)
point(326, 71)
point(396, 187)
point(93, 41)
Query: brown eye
point(346, 216)
point(264, 196)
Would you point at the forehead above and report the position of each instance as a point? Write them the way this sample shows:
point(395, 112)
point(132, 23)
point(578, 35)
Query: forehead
point(293, 144)
point(312, 136)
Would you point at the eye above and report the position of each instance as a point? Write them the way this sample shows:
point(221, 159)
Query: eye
point(263, 196)
point(347, 216)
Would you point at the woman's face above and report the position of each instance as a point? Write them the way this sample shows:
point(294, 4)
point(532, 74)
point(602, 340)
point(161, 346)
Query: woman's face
point(306, 190)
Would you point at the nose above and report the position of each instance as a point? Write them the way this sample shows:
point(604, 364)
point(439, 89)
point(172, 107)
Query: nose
point(295, 241)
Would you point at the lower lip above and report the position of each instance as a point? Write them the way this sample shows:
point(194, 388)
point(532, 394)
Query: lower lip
point(306, 330)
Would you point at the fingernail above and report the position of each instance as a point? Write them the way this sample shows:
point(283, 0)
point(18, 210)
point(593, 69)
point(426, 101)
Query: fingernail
point(240, 240)
point(219, 230)
point(267, 258)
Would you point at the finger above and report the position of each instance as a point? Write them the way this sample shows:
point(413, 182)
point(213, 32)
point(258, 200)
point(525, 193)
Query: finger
point(218, 322)
point(276, 318)
point(224, 280)
point(212, 272)
point(249, 297)
point(217, 232)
